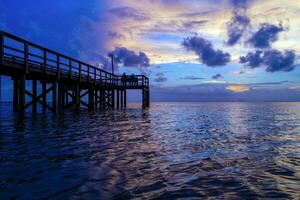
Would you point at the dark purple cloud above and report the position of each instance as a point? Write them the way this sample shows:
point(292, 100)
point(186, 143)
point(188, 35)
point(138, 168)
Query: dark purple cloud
point(217, 76)
point(239, 21)
point(274, 60)
point(236, 28)
point(265, 36)
point(205, 51)
point(252, 59)
point(278, 61)
point(130, 58)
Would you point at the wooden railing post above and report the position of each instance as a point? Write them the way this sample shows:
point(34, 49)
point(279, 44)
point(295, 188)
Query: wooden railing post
point(88, 73)
point(79, 65)
point(58, 67)
point(25, 57)
point(95, 75)
point(45, 61)
point(143, 81)
point(70, 67)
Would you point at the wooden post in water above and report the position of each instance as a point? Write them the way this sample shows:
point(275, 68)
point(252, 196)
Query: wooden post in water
point(113, 98)
point(54, 97)
point(16, 95)
point(118, 98)
point(77, 97)
point(125, 98)
point(59, 97)
point(122, 99)
point(22, 82)
point(44, 94)
point(34, 96)
point(91, 98)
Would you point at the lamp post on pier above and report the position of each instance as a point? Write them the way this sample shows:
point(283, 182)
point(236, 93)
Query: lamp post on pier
point(111, 55)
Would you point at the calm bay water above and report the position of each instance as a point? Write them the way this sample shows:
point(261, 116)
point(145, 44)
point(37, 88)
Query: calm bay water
point(172, 150)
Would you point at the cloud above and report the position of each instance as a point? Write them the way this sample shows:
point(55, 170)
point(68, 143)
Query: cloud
point(104, 63)
point(278, 61)
point(205, 51)
point(193, 78)
point(128, 12)
point(238, 72)
point(236, 28)
point(217, 76)
point(239, 21)
point(252, 59)
point(274, 60)
point(115, 35)
point(241, 4)
point(265, 36)
point(269, 83)
point(194, 23)
point(160, 77)
point(238, 88)
point(128, 58)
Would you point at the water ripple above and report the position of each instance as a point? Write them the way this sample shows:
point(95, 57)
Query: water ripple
point(170, 151)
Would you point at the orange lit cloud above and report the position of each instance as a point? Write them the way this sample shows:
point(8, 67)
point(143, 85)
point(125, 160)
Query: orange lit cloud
point(238, 88)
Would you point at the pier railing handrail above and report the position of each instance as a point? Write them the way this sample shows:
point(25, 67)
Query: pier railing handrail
point(73, 68)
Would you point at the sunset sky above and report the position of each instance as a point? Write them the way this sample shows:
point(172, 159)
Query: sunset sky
point(192, 50)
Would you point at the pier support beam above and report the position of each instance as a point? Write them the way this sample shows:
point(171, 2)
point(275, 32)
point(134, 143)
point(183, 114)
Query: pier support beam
point(146, 98)
point(125, 98)
point(16, 95)
point(59, 97)
point(122, 98)
point(77, 97)
point(118, 98)
point(113, 98)
point(34, 94)
point(44, 88)
point(91, 99)
point(54, 97)
point(22, 83)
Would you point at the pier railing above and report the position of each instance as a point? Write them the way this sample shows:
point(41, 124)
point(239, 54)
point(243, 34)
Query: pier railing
point(32, 57)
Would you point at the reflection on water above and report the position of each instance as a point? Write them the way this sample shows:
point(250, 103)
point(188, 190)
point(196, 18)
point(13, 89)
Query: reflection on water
point(172, 150)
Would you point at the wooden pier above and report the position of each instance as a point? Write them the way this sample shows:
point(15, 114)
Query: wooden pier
point(70, 83)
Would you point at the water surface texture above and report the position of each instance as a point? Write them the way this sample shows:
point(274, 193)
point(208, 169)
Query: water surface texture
point(172, 150)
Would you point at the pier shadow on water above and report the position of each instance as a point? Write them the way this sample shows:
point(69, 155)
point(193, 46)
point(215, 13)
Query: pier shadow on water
point(169, 151)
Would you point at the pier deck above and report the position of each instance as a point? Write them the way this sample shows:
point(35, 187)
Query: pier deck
point(70, 83)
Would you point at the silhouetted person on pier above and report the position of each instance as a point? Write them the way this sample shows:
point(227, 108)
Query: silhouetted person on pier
point(124, 79)
point(133, 80)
